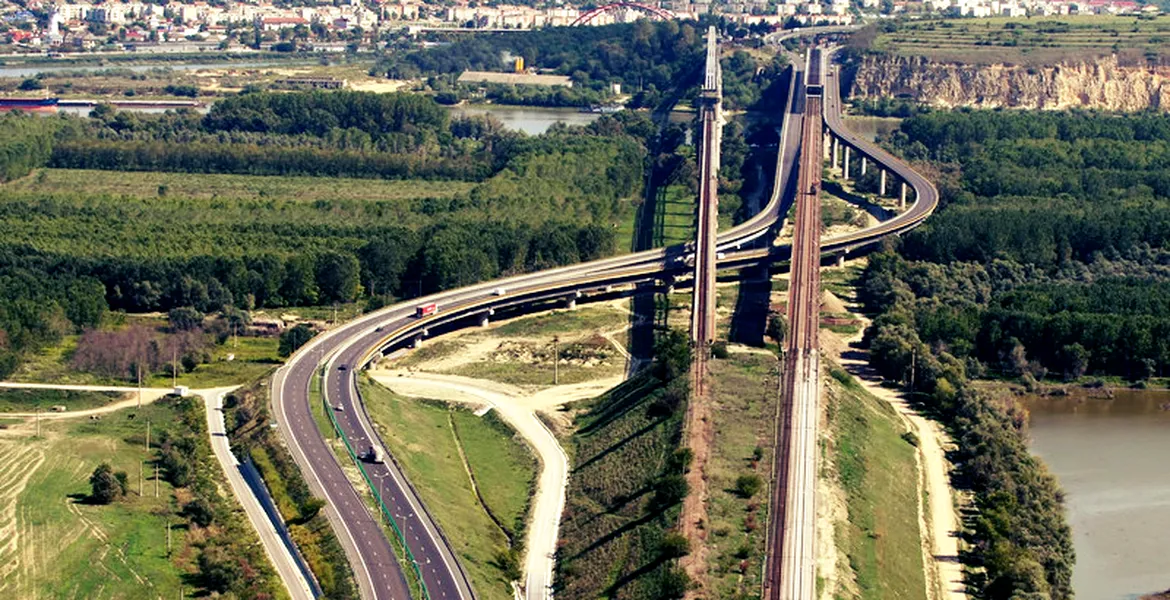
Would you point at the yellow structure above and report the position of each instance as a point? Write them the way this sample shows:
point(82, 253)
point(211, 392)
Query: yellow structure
point(520, 64)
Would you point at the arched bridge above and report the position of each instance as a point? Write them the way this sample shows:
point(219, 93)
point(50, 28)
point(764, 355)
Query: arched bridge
point(617, 8)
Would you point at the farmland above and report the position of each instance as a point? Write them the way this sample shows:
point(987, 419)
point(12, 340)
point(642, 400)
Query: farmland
point(56, 542)
point(1039, 40)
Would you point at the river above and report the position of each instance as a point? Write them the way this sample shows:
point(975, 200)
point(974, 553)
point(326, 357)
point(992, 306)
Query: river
point(1112, 457)
point(532, 120)
point(25, 72)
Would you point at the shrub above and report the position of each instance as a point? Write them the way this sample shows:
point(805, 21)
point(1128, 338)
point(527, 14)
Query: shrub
point(748, 485)
point(673, 545)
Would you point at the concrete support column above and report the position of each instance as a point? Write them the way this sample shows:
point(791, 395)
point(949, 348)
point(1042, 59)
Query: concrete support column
point(571, 302)
point(484, 320)
point(882, 191)
point(845, 166)
point(902, 197)
point(835, 144)
point(840, 260)
point(416, 342)
point(863, 164)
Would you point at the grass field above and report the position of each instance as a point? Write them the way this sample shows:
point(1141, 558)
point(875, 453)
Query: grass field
point(28, 400)
point(595, 318)
point(420, 436)
point(877, 470)
point(743, 414)
point(1037, 40)
point(199, 186)
point(611, 532)
point(53, 544)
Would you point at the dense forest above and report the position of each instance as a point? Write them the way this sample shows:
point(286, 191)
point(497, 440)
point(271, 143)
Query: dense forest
point(66, 258)
point(649, 60)
point(1048, 259)
point(1049, 256)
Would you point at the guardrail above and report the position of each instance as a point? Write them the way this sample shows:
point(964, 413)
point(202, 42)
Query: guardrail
point(377, 493)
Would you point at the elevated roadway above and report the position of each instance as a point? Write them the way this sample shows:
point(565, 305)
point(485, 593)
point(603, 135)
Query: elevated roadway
point(360, 341)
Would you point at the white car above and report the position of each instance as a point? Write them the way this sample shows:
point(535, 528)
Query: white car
point(499, 291)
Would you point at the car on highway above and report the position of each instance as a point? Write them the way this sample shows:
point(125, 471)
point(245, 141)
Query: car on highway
point(341, 367)
point(338, 407)
point(499, 291)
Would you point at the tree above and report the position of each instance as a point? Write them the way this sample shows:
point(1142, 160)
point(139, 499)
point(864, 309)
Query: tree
point(31, 84)
point(777, 328)
point(337, 276)
point(184, 318)
point(106, 484)
point(1074, 361)
point(294, 338)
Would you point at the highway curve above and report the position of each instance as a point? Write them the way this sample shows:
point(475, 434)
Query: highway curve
point(354, 344)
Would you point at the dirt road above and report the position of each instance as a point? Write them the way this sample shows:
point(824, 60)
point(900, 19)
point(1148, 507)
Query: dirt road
point(148, 395)
point(519, 409)
point(945, 572)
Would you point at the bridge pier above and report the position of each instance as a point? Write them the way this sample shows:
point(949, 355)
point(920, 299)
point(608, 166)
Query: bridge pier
point(883, 187)
point(484, 319)
point(863, 164)
point(841, 260)
point(902, 197)
point(416, 342)
point(836, 143)
point(845, 165)
point(571, 302)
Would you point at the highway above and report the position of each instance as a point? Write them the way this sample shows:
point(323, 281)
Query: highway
point(354, 344)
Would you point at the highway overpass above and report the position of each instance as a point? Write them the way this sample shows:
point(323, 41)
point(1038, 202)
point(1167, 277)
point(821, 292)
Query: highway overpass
point(343, 351)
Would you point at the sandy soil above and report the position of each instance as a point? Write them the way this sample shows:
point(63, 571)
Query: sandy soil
point(379, 86)
point(940, 524)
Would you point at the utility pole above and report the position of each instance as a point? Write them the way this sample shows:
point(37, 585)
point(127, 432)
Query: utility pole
point(556, 361)
point(156, 480)
point(169, 548)
point(148, 435)
point(174, 367)
point(38, 421)
point(140, 479)
point(913, 361)
point(138, 369)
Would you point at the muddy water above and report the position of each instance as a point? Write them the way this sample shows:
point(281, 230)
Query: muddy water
point(871, 127)
point(1112, 457)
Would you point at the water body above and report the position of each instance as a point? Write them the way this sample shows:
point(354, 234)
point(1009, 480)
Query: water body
point(529, 119)
point(26, 72)
point(1112, 456)
point(871, 127)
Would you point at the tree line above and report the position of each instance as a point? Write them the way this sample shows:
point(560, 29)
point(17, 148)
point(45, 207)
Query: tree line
point(1019, 536)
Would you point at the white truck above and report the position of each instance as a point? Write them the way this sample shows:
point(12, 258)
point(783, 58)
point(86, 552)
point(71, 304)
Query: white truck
point(374, 455)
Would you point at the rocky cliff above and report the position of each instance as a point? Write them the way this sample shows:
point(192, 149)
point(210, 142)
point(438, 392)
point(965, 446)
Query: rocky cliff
point(1101, 84)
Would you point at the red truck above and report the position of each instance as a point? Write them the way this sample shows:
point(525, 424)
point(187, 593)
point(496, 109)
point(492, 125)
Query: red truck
point(423, 310)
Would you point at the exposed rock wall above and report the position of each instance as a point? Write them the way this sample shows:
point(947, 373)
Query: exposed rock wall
point(1101, 84)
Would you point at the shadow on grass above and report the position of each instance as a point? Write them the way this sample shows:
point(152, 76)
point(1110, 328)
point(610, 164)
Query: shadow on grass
point(750, 317)
point(622, 442)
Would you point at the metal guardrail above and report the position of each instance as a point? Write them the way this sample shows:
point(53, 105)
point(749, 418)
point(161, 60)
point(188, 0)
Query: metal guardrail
point(377, 494)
